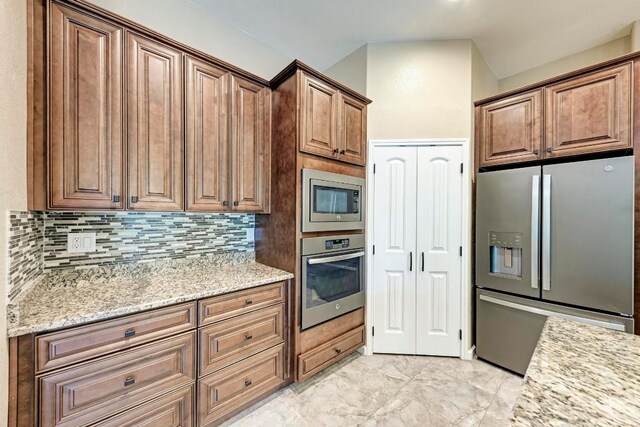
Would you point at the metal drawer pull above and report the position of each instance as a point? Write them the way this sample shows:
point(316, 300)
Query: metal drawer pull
point(129, 333)
point(129, 381)
point(249, 301)
point(248, 336)
point(247, 383)
point(338, 351)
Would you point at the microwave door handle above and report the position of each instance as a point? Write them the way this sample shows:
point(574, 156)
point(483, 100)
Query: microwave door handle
point(325, 260)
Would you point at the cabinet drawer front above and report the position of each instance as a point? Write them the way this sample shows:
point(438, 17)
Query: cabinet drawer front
point(95, 390)
point(315, 360)
point(227, 342)
point(172, 410)
point(230, 388)
point(78, 344)
point(230, 305)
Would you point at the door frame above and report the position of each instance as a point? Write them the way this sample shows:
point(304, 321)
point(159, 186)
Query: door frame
point(467, 349)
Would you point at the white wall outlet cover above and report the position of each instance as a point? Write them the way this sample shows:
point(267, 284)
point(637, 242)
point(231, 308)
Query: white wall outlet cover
point(250, 234)
point(81, 242)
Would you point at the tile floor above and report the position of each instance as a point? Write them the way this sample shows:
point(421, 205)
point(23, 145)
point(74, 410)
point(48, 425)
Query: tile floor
point(389, 390)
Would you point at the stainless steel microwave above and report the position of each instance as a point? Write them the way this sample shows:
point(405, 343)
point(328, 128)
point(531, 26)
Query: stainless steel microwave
point(331, 201)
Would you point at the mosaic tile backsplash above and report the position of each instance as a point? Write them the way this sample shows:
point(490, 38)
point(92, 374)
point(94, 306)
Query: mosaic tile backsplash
point(26, 233)
point(38, 240)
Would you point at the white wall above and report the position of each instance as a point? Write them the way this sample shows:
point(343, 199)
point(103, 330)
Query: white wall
point(582, 59)
point(352, 70)
point(13, 132)
point(196, 27)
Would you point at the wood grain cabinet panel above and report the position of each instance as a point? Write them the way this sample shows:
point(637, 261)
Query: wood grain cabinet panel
point(236, 303)
point(352, 130)
point(230, 341)
point(173, 410)
point(207, 143)
point(86, 114)
point(59, 349)
point(319, 358)
point(221, 393)
point(90, 392)
point(589, 113)
point(250, 146)
point(510, 130)
point(319, 105)
point(155, 122)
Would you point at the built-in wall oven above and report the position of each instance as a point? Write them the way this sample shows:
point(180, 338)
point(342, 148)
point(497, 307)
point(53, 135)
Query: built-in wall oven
point(331, 202)
point(332, 277)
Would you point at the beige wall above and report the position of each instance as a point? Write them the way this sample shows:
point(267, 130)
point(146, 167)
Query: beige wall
point(635, 36)
point(419, 89)
point(483, 82)
point(351, 70)
point(193, 26)
point(13, 131)
point(585, 58)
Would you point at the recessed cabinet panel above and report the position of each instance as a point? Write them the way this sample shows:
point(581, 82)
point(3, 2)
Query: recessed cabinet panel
point(154, 76)
point(207, 163)
point(352, 130)
point(319, 116)
point(250, 145)
point(589, 113)
point(510, 130)
point(86, 112)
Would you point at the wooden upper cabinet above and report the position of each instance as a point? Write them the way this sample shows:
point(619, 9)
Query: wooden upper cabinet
point(510, 130)
point(589, 113)
point(250, 146)
point(86, 114)
point(155, 117)
point(207, 143)
point(319, 104)
point(352, 130)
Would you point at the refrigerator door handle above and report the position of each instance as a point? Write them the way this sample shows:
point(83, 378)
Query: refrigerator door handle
point(542, 312)
point(546, 233)
point(535, 230)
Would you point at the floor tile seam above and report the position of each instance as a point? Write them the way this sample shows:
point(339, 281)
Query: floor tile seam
point(391, 397)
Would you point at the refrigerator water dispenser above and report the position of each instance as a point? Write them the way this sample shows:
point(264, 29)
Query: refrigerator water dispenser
point(505, 254)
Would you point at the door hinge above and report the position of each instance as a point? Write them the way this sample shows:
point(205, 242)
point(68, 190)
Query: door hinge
point(460, 334)
point(373, 331)
point(460, 250)
point(374, 249)
point(461, 167)
point(374, 168)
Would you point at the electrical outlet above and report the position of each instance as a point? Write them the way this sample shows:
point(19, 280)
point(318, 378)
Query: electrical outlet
point(250, 234)
point(81, 242)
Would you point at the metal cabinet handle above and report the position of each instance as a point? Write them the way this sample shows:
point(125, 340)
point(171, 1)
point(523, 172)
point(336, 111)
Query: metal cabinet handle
point(248, 336)
point(247, 383)
point(422, 261)
point(116, 199)
point(129, 333)
point(342, 151)
point(335, 151)
point(535, 230)
point(248, 301)
point(235, 203)
point(338, 350)
point(546, 232)
point(134, 199)
point(129, 381)
point(410, 261)
point(536, 151)
point(549, 149)
point(225, 203)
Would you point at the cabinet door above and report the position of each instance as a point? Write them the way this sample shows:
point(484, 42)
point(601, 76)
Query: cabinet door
point(352, 130)
point(589, 113)
point(154, 79)
point(85, 112)
point(510, 130)
point(207, 162)
point(250, 146)
point(319, 104)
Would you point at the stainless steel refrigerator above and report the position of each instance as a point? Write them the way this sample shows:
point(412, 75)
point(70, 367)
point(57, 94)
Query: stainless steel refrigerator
point(552, 240)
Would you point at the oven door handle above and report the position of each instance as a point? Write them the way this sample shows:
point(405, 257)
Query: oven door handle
point(335, 258)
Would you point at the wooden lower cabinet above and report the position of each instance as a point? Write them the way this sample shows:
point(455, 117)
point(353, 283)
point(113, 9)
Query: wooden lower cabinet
point(229, 390)
point(314, 361)
point(176, 409)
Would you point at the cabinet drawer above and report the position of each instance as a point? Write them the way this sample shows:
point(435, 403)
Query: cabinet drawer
point(226, 306)
point(95, 390)
point(227, 342)
point(221, 393)
point(319, 358)
point(172, 410)
point(62, 348)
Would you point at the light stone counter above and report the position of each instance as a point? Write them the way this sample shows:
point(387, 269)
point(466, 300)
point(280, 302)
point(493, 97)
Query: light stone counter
point(581, 375)
point(72, 297)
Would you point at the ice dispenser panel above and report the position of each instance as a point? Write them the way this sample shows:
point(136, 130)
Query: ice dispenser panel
point(505, 254)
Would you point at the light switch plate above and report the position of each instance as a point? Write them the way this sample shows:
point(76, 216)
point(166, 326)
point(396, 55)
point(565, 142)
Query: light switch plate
point(81, 242)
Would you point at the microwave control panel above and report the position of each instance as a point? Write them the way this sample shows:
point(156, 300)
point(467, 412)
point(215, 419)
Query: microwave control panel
point(336, 244)
point(356, 202)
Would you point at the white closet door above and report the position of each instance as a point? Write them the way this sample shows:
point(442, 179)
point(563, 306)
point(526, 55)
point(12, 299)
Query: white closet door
point(394, 282)
point(438, 288)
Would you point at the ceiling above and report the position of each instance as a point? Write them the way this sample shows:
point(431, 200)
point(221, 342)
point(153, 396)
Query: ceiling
point(512, 35)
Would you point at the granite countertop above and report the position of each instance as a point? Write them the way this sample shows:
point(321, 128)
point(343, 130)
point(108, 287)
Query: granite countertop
point(72, 297)
point(581, 375)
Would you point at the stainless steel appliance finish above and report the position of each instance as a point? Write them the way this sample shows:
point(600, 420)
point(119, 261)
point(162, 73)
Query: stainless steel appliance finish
point(332, 277)
point(332, 202)
point(508, 327)
point(560, 234)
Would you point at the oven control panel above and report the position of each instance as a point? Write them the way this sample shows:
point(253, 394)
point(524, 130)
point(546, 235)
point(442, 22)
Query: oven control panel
point(336, 244)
